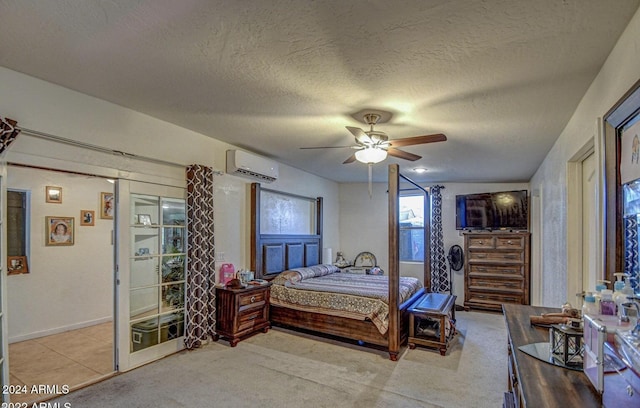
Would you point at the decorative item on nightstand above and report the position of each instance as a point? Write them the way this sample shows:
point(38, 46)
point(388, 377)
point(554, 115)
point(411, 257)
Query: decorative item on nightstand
point(341, 262)
point(227, 272)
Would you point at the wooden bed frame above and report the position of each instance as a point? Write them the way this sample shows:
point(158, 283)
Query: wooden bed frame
point(272, 254)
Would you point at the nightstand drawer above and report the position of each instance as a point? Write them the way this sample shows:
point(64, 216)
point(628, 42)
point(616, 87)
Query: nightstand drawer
point(252, 299)
point(251, 318)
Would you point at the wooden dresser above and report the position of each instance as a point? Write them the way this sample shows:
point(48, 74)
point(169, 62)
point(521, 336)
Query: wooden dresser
point(241, 312)
point(496, 269)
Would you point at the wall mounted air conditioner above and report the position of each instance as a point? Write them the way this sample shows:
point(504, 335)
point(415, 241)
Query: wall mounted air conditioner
point(241, 163)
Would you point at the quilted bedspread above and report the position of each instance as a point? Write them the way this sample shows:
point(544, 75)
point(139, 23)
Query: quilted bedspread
point(326, 290)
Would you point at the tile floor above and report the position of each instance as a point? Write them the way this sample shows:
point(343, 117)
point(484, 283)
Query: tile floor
point(71, 358)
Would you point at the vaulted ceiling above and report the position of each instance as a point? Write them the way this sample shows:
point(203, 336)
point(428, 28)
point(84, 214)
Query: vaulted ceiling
point(501, 78)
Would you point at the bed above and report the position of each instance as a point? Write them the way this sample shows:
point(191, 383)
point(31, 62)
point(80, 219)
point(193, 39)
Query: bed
point(314, 296)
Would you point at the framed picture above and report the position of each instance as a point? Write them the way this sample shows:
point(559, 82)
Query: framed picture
point(144, 219)
point(17, 265)
point(87, 218)
point(53, 194)
point(59, 230)
point(106, 206)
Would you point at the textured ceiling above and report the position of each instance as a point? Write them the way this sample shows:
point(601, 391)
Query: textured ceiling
point(499, 78)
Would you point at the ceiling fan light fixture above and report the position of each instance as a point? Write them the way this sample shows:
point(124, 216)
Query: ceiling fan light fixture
point(420, 170)
point(371, 155)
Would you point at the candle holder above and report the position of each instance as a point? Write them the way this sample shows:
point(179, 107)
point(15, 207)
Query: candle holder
point(566, 343)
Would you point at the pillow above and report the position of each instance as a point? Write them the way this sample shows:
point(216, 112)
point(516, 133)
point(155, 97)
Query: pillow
point(298, 274)
point(287, 276)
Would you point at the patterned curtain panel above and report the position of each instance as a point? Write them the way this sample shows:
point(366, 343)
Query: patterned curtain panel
point(440, 282)
point(631, 264)
point(8, 133)
point(201, 278)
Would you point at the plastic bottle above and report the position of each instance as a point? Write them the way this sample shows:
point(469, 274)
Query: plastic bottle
point(589, 305)
point(600, 285)
point(627, 290)
point(607, 305)
point(619, 297)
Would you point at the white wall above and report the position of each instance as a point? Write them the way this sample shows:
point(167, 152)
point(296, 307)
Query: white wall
point(67, 286)
point(48, 108)
point(619, 73)
point(364, 223)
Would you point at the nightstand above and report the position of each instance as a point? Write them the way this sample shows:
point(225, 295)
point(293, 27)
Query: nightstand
point(241, 312)
point(428, 318)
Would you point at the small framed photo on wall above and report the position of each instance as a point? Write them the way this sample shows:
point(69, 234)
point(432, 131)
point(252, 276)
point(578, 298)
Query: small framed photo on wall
point(17, 265)
point(106, 206)
point(144, 219)
point(87, 218)
point(53, 194)
point(59, 230)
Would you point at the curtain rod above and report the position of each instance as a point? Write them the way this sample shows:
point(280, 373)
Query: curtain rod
point(64, 140)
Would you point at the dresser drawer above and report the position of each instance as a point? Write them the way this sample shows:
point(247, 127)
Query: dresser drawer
point(506, 271)
point(493, 298)
point(495, 256)
point(498, 285)
point(516, 242)
point(480, 242)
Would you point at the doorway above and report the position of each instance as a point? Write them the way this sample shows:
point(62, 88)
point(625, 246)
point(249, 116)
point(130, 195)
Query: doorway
point(60, 314)
point(589, 200)
point(583, 211)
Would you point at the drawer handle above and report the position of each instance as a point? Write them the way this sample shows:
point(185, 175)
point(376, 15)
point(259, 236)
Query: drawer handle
point(253, 299)
point(481, 255)
point(510, 299)
point(510, 242)
point(480, 242)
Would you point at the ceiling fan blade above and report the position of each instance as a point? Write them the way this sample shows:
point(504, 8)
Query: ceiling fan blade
point(351, 159)
point(325, 147)
point(360, 134)
point(409, 141)
point(402, 154)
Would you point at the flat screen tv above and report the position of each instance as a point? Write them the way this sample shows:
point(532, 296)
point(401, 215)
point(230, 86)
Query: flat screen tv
point(504, 210)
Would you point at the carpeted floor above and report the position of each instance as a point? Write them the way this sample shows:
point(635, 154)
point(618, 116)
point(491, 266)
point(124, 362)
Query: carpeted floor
point(287, 369)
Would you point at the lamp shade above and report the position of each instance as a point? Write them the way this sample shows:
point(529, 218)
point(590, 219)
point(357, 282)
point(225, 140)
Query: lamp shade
point(371, 155)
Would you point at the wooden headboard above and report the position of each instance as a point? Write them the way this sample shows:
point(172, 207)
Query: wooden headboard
point(273, 253)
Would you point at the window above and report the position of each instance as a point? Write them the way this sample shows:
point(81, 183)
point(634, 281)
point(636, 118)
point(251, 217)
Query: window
point(412, 228)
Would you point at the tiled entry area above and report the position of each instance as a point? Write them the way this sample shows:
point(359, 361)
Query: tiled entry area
point(72, 358)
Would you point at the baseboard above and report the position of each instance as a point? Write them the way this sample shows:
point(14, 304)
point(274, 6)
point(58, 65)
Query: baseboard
point(56, 330)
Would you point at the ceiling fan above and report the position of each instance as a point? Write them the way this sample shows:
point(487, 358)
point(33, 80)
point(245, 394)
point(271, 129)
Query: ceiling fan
point(373, 146)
